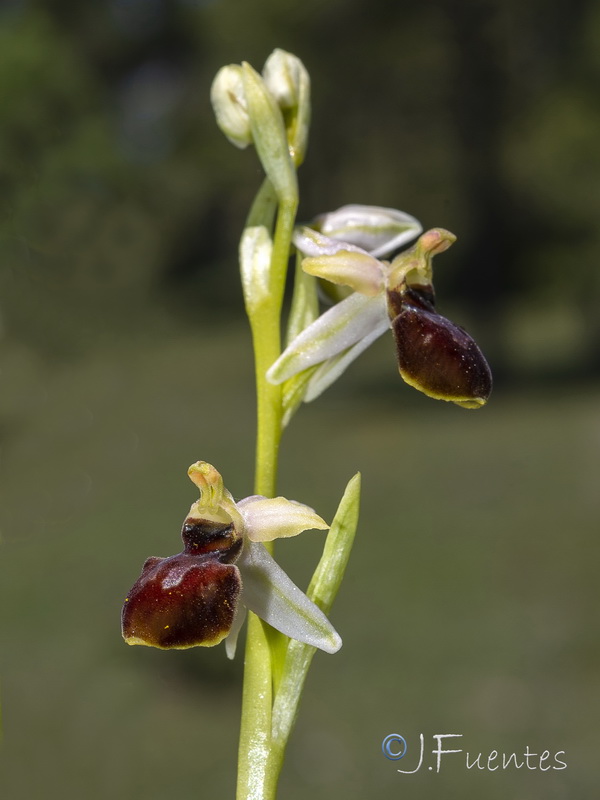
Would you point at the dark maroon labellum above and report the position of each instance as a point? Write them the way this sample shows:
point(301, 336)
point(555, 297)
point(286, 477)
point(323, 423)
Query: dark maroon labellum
point(188, 599)
point(434, 355)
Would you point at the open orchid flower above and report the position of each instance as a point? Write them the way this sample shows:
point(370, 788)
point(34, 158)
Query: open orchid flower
point(199, 597)
point(435, 356)
point(378, 231)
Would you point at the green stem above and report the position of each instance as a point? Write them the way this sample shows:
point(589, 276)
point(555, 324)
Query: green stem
point(254, 755)
point(257, 777)
point(266, 336)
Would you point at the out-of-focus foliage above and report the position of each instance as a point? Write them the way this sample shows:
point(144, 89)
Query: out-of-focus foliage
point(107, 181)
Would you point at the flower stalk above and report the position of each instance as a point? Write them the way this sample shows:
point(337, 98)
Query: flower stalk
point(200, 596)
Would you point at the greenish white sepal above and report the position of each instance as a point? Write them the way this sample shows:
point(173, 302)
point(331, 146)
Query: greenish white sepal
point(266, 518)
point(255, 264)
point(271, 594)
point(335, 331)
point(228, 98)
point(377, 230)
point(329, 371)
point(315, 244)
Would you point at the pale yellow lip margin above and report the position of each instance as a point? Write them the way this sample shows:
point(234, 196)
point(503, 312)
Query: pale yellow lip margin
point(136, 640)
point(466, 402)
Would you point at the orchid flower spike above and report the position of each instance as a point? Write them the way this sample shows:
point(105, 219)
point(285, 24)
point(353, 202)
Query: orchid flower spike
point(434, 355)
point(199, 597)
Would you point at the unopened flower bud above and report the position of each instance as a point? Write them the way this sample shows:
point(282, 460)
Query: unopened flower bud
point(284, 73)
point(228, 98)
point(288, 81)
point(255, 262)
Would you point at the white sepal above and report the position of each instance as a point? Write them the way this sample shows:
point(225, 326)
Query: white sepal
point(333, 332)
point(312, 243)
point(328, 372)
point(266, 519)
point(271, 594)
point(377, 230)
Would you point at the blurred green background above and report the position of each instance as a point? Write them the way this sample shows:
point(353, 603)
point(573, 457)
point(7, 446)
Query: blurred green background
point(470, 604)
